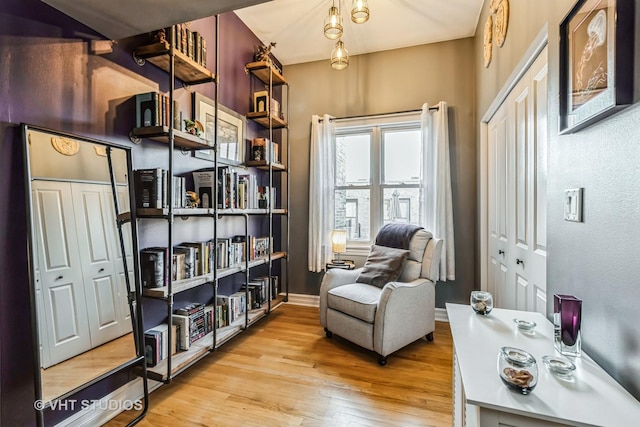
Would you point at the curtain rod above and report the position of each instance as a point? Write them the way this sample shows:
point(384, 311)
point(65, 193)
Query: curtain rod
point(436, 108)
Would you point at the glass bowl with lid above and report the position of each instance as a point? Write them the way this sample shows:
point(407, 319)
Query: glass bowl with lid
point(518, 369)
point(481, 302)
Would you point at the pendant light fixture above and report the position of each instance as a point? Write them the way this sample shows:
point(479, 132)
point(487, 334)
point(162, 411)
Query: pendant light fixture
point(360, 11)
point(339, 56)
point(333, 23)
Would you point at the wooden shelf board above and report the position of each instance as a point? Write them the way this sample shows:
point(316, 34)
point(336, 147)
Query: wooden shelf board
point(264, 165)
point(163, 213)
point(262, 118)
point(180, 139)
point(261, 70)
point(232, 212)
point(178, 286)
point(225, 333)
point(224, 272)
point(182, 359)
point(185, 68)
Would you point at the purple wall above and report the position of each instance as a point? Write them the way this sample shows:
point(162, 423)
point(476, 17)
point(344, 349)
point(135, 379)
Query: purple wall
point(49, 78)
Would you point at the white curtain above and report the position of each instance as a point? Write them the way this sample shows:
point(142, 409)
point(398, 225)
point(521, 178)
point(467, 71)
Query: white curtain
point(321, 197)
point(438, 216)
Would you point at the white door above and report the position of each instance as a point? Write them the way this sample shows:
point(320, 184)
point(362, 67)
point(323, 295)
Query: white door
point(517, 194)
point(98, 256)
point(63, 315)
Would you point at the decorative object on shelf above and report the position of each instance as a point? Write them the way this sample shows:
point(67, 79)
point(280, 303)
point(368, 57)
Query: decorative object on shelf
point(100, 150)
point(65, 146)
point(231, 129)
point(360, 11)
point(263, 52)
point(338, 244)
point(339, 56)
point(518, 369)
point(481, 302)
point(501, 22)
point(493, 5)
point(333, 23)
point(559, 366)
point(194, 127)
point(488, 41)
point(596, 62)
point(567, 319)
point(192, 199)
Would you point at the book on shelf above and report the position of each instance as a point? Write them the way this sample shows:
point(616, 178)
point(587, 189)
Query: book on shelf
point(264, 150)
point(191, 258)
point(257, 291)
point(152, 267)
point(275, 286)
point(157, 346)
point(202, 256)
point(191, 322)
point(204, 182)
point(151, 190)
point(178, 266)
point(152, 109)
point(235, 306)
point(148, 188)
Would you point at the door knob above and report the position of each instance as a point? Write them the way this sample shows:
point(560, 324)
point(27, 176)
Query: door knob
point(519, 261)
point(59, 277)
point(101, 270)
point(500, 252)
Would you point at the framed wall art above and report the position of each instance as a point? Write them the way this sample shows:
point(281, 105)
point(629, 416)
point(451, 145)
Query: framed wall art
point(596, 62)
point(231, 130)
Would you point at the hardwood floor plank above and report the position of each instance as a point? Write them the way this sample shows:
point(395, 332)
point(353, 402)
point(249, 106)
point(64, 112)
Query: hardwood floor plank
point(283, 371)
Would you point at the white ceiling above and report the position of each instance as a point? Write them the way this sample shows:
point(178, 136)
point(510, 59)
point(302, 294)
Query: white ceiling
point(297, 25)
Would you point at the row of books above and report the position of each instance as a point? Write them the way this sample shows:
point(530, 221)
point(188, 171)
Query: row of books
point(190, 259)
point(151, 189)
point(156, 341)
point(190, 43)
point(152, 109)
point(232, 250)
point(241, 191)
point(195, 320)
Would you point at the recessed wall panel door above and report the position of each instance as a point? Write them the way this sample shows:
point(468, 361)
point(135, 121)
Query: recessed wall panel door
point(98, 256)
point(63, 309)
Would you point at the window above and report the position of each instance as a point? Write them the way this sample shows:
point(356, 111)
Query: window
point(378, 178)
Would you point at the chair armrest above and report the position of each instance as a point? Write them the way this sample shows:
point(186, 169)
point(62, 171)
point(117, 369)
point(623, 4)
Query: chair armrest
point(406, 311)
point(332, 279)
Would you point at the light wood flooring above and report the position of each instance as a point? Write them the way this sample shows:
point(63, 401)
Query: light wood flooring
point(285, 372)
point(66, 376)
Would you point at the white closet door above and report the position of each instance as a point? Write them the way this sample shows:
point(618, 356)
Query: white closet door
point(517, 194)
point(63, 312)
point(95, 237)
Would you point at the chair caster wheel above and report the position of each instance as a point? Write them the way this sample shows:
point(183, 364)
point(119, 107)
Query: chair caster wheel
point(328, 333)
point(382, 360)
point(430, 336)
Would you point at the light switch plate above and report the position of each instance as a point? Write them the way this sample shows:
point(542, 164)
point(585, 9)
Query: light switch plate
point(573, 204)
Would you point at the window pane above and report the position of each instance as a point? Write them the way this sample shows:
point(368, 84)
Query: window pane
point(401, 150)
point(352, 213)
point(353, 159)
point(401, 205)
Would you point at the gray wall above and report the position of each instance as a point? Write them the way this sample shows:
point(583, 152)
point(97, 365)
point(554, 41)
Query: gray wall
point(395, 80)
point(596, 260)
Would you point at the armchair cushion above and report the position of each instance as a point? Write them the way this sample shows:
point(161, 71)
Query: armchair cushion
point(357, 299)
point(383, 265)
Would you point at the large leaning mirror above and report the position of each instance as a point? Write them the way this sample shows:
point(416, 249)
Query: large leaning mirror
point(80, 226)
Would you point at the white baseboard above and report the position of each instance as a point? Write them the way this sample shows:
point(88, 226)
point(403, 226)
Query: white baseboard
point(100, 413)
point(441, 315)
point(304, 299)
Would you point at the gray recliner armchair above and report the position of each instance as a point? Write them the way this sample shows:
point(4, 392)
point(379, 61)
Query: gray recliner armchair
point(384, 315)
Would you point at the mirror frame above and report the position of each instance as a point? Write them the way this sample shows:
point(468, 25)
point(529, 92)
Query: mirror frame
point(134, 290)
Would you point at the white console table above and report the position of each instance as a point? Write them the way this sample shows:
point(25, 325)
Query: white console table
point(591, 398)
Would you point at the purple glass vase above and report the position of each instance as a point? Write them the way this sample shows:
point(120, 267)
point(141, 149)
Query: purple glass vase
point(567, 316)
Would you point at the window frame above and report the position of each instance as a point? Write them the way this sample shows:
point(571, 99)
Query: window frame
point(377, 184)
